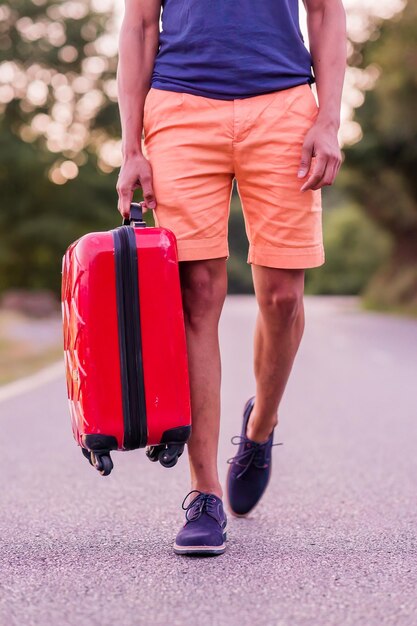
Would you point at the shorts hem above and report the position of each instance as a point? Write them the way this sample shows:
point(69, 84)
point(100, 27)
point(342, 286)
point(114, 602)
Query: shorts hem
point(287, 259)
point(202, 249)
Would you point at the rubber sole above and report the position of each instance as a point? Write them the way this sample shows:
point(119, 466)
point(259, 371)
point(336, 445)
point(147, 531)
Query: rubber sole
point(202, 550)
point(208, 550)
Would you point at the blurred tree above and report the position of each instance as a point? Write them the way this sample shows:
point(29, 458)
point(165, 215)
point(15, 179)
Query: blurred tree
point(355, 248)
point(59, 134)
point(238, 270)
point(60, 148)
point(380, 170)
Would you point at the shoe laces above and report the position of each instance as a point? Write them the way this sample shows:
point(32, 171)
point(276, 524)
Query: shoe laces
point(202, 503)
point(253, 453)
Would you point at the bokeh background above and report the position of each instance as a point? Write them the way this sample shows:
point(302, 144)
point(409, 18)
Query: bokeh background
point(60, 152)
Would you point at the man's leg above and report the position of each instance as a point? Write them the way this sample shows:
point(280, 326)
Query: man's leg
point(279, 328)
point(284, 231)
point(204, 286)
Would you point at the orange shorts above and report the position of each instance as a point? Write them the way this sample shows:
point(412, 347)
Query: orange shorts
point(197, 146)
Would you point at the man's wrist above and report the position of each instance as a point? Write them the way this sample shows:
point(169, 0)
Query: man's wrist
point(328, 120)
point(131, 152)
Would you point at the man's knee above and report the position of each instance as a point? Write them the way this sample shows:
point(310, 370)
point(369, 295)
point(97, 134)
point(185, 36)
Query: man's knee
point(204, 287)
point(280, 298)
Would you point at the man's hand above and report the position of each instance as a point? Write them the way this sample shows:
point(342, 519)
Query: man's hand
point(135, 172)
point(320, 142)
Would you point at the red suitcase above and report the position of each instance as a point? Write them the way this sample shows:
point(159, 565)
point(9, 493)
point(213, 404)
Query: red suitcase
point(124, 343)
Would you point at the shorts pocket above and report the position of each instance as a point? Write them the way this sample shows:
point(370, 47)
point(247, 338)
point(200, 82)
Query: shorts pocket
point(301, 102)
point(146, 106)
point(159, 106)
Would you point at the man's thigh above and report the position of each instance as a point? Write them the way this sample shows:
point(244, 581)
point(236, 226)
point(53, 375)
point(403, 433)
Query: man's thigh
point(192, 171)
point(284, 225)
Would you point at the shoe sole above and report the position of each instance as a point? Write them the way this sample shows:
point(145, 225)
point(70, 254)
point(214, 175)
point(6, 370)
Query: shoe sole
point(209, 550)
point(200, 550)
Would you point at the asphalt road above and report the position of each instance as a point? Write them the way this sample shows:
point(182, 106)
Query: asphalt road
point(332, 543)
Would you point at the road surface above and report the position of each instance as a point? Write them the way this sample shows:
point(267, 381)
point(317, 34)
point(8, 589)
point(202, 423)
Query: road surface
point(332, 543)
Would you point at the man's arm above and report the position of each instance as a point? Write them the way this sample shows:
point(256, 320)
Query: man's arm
point(138, 45)
point(327, 34)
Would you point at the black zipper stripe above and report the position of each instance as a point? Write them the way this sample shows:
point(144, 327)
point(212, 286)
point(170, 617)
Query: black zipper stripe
point(138, 382)
point(130, 340)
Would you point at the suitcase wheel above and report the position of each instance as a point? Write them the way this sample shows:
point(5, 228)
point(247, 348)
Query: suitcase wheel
point(102, 463)
point(169, 457)
point(153, 452)
point(167, 461)
point(100, 460)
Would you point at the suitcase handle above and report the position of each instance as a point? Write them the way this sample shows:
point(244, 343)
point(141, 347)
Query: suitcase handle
point(136, 216)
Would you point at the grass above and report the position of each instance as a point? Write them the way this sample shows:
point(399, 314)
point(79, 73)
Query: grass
point(409, 310)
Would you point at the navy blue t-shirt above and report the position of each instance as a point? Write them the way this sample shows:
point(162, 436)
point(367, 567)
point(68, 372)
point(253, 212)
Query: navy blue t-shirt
point(229, 49)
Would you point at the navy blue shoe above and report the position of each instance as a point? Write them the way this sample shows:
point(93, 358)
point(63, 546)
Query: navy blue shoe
point(204, 531)
point(250, 469)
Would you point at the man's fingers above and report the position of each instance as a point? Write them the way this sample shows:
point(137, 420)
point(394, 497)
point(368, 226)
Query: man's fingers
point(125, 198)
point(316, 175)
point(148, 194)
point(329, 174)
point(326, 179)
point(135, 174)
point(305, 163)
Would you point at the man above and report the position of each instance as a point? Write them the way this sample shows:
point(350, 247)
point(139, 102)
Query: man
point(222, 93)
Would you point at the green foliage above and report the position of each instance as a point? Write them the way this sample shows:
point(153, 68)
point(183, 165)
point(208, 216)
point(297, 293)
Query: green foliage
point(355, 248)
point(394, 288)
point(380, 169)
point(45, 47)
point(38, 219)
point(49, 42)
point(49, 49)
point(239, 273)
